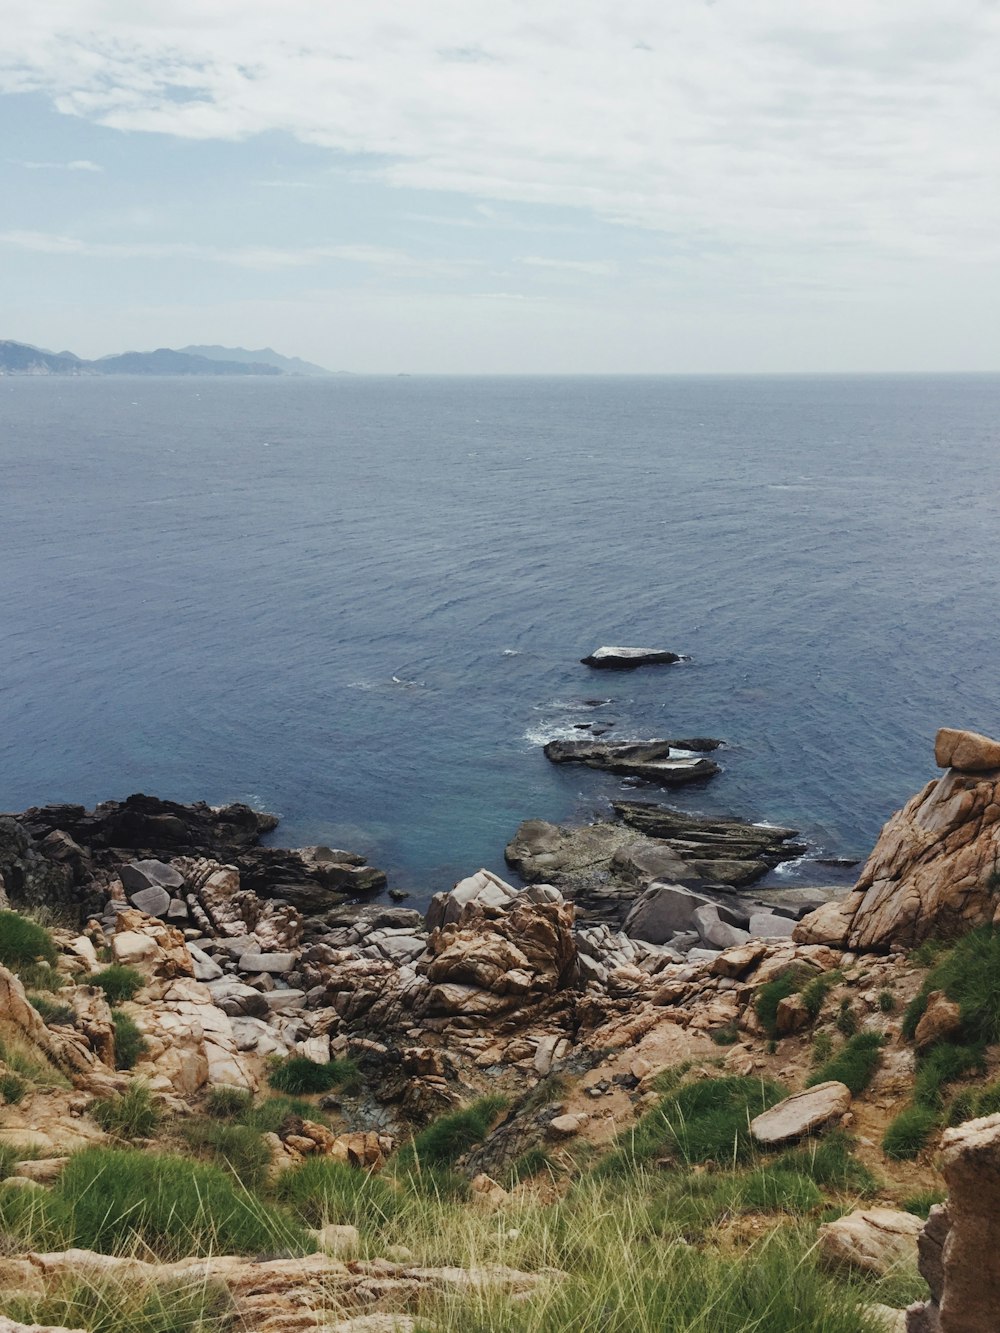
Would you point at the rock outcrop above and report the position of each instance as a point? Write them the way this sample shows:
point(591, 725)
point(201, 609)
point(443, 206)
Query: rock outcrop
point(655, 761)
point(935, 869)
point(870, 1240)
point(605, 866)
point(959, 1258)
point(626, 659)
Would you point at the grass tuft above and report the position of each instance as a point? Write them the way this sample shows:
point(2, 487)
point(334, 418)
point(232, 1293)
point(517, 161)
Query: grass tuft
point(237, 1147)
point(854, 1064)
point(447, 1139)
point(23, 942)
point(130, 1044)
point(298, 1074)
point(909, 1132)
point(130, 1116)
point(118, 983)
point(227, 1103)
point(321, 1191)
point(12, 1088)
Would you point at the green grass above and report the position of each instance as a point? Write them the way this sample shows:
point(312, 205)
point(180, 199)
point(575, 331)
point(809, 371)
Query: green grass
point(270, 1115)
point(12, 1088)
point(40, 976)
point(130, 1044)
point(846, 1021)
point(129, 1307)
point(297, 1074)
point(530, 1164)
point(909, 1132)
point(969, 974)
point(22, 942)
point(814, 992)
point(447, 1139)
point(228, 1103)
point(943, 1064)
point(22, 1058)
point(238, 1147)
point(119, 1199)
point(118, 983)
point(830, 1162)
point(822, 1048)
point(886, 1001)
point(707, 1120)
point(854, 1064)
point(921, 1204)
point(52, 1013)
point(770, 995)
point(321, 1191)
point(130, 1116)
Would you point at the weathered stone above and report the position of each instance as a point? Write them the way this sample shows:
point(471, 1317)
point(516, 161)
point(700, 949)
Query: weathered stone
point(870, 1240)
point(154, 901)
point(715, 932)
point(802, 1113)
point(566, 1126)
point(933, 869)
point(138, 876)
point(662, 911)
point(654, 761)
point(966, 750)
point(738, 961)
point(769, 926)
point(792, 1015)
point(266, 962)
point(941, 1020)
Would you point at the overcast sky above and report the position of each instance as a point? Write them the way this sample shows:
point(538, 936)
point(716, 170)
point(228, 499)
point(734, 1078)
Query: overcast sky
point(519, 185)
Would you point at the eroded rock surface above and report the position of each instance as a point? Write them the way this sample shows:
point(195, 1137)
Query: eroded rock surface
point(934, 868)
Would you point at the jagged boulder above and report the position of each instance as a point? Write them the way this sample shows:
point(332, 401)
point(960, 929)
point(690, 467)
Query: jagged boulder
point(934, 867)
point(958, 1254)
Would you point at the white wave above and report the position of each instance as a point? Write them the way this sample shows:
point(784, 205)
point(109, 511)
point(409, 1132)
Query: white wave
point(789, 867)
point(512, 652)
point(543, 732)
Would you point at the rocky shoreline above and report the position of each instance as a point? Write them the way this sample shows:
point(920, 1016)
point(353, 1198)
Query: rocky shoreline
point(631, 952)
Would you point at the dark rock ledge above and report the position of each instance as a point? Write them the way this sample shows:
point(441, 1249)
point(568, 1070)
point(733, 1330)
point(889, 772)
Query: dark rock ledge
point(64, 856)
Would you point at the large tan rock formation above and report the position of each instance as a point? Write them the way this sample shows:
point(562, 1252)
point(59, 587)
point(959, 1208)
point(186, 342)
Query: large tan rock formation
point(935, 866)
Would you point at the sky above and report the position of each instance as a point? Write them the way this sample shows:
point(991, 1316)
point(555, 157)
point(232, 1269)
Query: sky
point(519, 186)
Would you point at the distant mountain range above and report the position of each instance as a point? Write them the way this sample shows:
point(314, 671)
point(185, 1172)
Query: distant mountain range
point(23, 359)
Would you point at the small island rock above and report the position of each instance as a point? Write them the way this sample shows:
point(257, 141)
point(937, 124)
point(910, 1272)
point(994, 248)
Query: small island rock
point(626, 659)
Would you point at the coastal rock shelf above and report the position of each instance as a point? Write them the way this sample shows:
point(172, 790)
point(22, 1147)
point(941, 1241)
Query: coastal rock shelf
point(627, 659)
point(604, 866)
point(653, 761)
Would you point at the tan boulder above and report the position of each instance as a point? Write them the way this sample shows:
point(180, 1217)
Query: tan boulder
point(738, 960)
point(958, 1253)
point(792, 1015)
point(966, 750)
point(871, 1240)
point(941, 1020)
point(802, 1113)
point(341, 1240)
point(150, 946)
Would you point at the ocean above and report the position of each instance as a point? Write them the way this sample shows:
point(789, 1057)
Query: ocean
point(361, 602)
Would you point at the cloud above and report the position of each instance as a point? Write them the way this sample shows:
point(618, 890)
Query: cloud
point(380, 258)
point(770, 129)
point(595, 268)
point(79, 164)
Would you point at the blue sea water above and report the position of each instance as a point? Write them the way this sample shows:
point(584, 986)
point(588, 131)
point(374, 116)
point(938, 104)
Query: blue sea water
point(360, 602)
